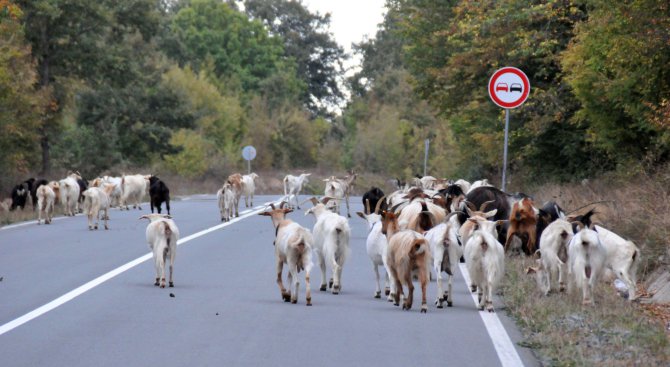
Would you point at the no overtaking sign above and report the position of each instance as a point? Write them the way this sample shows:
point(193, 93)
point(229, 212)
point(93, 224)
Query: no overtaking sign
point(509, 87)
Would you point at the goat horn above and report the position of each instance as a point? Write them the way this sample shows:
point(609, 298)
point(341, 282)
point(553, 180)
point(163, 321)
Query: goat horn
point(379, 203)
point(325, 200)
point(446, 219)
point(485, 204)
point(272, 205)
point(281, 205)
point(367, 206)
point(470, 205)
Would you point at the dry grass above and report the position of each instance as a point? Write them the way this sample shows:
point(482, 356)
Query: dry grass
point(562, 332)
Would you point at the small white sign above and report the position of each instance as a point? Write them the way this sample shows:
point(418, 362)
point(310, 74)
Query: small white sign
point(509, 87)
point(248, 153)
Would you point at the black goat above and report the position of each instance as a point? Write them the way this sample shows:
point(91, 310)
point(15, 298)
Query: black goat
point(159, 193)
point(19, 196)
point(372, 196)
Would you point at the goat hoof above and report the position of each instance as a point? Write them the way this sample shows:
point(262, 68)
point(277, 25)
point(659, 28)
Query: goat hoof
point(330, 284)
point(424, 308)
point(473, 288)
point(286, 297)
point(162, 285)
point(309, 301)
point(171, 285)
point(294, 301)
point(387, 291)
point(378, 294)
point(106, 228)
point(450, 304)
point(323, 288)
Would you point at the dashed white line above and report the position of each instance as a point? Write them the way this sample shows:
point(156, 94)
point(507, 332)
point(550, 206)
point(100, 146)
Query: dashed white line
point(501, 341)
point(107, 276)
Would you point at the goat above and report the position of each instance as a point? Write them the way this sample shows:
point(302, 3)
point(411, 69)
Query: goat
point(69, 193)
point(293, 246)
point(445, 250)
point(133, 188)
point(331, 242)
point(83, 185)
point(158, 193)
point(45, 203)
point(485, 261)
point(292, 187)
point(236, 184)
point(33, 189)
point(96, 200)
point(407, 250)
point(478, 183)
point(162, 235)
point(248, 188)
point(19, 196)
point(554, 250)
point(586, 261)
point(340, 189)
point(226, 199)
point(376, 246)
point(523, 224)
point(371, 197)
point(623, 258)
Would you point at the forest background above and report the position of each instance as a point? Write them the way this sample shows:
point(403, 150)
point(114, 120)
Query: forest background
point(181, 86)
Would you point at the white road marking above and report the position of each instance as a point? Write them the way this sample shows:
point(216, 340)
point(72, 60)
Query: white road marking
point(501, 341)
point(105, 277)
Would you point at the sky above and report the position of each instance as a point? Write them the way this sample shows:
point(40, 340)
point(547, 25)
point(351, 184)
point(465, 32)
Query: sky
point(350, 20)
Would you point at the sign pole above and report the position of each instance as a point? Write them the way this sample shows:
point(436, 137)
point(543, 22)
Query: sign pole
point(425, 156)
point(504, 178)
point(249, 167)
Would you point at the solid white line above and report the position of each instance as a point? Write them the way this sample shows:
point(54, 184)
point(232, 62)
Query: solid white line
point(501, 341)
point(107, 276)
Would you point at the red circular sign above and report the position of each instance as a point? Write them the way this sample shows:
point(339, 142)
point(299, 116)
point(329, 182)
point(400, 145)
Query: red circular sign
point(509, 87)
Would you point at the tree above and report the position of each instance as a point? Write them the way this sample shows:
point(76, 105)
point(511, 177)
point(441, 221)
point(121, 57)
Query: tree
point(19, 100)
point(75, 39)
point(308, 42)
point(617, 66)
point(205, 31)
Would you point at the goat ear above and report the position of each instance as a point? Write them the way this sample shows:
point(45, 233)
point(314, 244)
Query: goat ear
point(143, 217)
point(287, 210)
point(531, 270)
point(264, 213)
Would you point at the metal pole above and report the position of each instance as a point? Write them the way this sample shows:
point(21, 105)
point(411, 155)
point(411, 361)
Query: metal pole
point(504, 172)
point(425, 156)
point(249, 167)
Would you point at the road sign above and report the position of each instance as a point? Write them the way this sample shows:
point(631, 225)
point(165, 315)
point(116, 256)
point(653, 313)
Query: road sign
point(509, 87)
point(248, 153)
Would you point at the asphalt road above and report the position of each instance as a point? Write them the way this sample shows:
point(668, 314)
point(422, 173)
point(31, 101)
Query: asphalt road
point(226, 309)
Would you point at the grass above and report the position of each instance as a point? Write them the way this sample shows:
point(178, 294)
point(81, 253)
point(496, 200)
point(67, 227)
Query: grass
point(562, 332)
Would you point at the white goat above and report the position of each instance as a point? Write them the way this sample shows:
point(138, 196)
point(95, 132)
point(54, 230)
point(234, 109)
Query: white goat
point(96, 200)
point(554, 249)
point(45, 203)
point(162, 235)
point(446, 251)
point(292, 187)
point(485, 261)
point(623, 258)
point(586, 262)
point(248, 188)
point(293, 246)
point(133, 188)
point(226, 198)
point(69, 194)
point(478, 183)
point(376, 246)
point(331, 242)
point(340, 189)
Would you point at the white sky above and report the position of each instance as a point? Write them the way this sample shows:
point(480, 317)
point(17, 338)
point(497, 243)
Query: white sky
point(350, 20)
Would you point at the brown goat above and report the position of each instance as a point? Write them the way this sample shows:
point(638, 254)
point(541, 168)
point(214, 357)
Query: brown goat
point(235, 180)
point(407, 250)
point(523, 224)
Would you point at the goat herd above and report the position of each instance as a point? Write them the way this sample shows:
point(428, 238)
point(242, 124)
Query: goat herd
point(432, 223)
point(437, 222)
